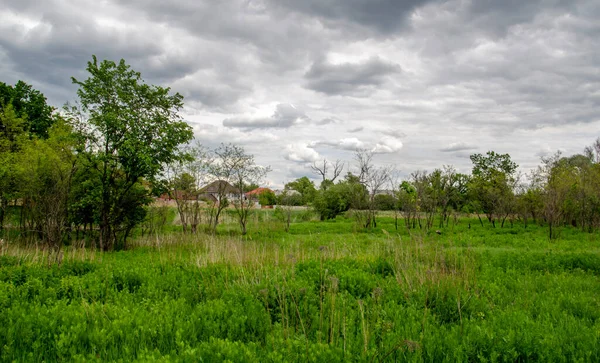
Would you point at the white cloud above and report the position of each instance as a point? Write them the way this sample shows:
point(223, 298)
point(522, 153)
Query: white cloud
point(387, 145)
point(348, 143)
point(301, 153)
point(284, 116)
point(458, 146)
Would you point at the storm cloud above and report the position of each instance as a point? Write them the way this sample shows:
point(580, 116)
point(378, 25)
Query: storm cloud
point(422, 83)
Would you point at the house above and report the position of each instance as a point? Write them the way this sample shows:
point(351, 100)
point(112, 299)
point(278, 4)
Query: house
point(254, 195)
point(256, 192)
point(212, 191)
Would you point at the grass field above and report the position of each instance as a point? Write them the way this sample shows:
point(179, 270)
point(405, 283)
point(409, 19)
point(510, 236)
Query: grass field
point(325, 291)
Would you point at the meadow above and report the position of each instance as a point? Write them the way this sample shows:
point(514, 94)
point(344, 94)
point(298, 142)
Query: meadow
point(324, 291)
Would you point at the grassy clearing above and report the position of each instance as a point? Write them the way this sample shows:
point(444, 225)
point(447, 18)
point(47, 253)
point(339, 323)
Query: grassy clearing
point(323, 292)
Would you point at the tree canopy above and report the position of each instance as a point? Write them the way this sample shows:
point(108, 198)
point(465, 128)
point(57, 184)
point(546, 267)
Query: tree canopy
point(130, 131)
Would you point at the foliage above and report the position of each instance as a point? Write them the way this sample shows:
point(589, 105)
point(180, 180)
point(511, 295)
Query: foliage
point(267, 197)
point(492, 184)
point(339, 198)
point(12, 140)
point(321, 294)
point(30, 105)
point(131, 131)
point(306, 189)
point(385, 202)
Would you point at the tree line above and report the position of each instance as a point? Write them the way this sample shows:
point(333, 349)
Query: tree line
point(563, 190)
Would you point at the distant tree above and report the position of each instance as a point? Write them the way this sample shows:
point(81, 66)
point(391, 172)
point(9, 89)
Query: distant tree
point(570, 190)
point(323, 167)
point(529, 203)
point(240, 169)
point(333, 201)
point(492, 184)
point(250, 187)
point(385, 202)
point(374, 179)
point(408, 199)
point(554, 177)
point(305, 187)
point(131, 130)
point(185, 177)
point(285, 203)
point(267, 197)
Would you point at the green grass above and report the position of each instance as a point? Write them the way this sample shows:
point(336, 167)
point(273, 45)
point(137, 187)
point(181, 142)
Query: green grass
point(325, 291)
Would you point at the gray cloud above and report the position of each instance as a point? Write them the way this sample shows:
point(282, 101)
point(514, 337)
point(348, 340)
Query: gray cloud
point(458, 146)
point(349, 78)
point(383, 16)
point(385, 144)
point(516, 76)
point(328, 120)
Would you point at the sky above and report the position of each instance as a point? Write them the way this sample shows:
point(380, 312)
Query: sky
point(421, 83)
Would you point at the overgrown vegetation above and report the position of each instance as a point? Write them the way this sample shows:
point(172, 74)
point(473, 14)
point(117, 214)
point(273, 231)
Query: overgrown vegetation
point(319, 292)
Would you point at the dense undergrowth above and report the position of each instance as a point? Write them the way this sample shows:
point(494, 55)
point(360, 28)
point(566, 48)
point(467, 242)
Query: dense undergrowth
point(323, 292)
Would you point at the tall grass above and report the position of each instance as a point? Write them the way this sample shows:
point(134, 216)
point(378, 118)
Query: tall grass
point(322, 292)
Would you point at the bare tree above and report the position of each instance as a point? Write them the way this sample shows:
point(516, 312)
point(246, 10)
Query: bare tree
point(185, 178)
point(593, 151)
point(552, 175)
point(240, 169)
point(396, 190)
point(324, 168)
point(374, 179)
point(285, 206)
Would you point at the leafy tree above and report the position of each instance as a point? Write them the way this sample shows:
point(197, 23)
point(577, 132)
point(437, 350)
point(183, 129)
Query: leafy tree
point(407, 198)
point(305, 187)
point(341, 197)
point(492, 184)
point(131, 131)
point(554, 176)
point(30, 105)
point(267, 197)
point(332, 201)
point(46, 176)
point(385, 202)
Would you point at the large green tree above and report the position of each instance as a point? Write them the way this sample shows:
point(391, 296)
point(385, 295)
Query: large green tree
point(131, 130)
